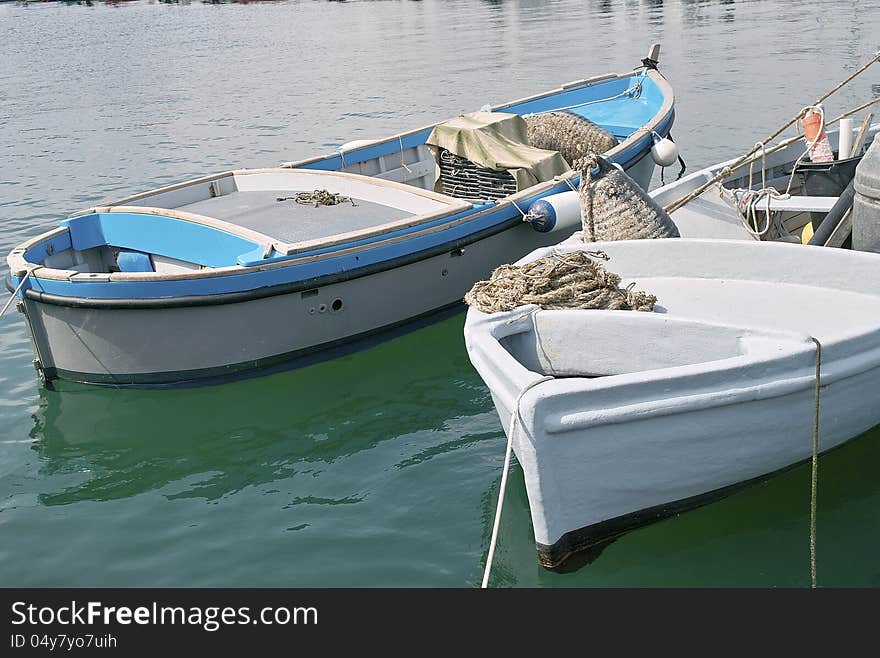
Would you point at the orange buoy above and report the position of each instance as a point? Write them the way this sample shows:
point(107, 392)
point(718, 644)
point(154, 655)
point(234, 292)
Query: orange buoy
point(817, 139)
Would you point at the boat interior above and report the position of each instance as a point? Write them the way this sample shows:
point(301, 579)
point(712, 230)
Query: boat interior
point(610, 336)
point(243, 218)
point(727, 310)
point(804, 194)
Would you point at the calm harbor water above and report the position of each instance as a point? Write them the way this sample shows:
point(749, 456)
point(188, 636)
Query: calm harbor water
point(379, 468)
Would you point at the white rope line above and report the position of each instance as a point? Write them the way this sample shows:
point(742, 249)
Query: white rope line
point(747, 201)
point(15, 292)
point(810, 145)
point(636, 87)
point(750, 199)
point(518, 208)
point(494, 540)
point(740, 161)
point(814, 471)
point(402, 163)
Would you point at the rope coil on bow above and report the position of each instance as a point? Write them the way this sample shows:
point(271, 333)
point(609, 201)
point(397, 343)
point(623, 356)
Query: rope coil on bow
point(575, 280)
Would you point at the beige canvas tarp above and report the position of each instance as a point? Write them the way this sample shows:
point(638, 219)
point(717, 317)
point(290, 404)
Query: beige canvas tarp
point(497, 140)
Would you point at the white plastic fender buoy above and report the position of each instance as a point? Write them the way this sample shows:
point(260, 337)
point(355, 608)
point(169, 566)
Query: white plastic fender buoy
point(557, 212)
point(355, 143)
point(664, 152)
point(845, 139)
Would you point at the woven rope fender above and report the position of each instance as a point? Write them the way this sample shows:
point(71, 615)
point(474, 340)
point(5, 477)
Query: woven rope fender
point(575, 280)
point(615, 207)
point(572, 135)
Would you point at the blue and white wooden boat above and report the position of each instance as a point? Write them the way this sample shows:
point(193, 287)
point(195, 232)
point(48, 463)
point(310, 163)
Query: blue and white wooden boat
point(216, 277)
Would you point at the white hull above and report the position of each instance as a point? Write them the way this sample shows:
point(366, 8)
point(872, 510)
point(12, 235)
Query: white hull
point(650, 412)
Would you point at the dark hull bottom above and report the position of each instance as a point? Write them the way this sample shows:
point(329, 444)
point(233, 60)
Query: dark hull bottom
point(581, 547)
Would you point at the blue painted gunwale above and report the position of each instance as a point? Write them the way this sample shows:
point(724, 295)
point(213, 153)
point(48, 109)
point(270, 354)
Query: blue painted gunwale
point(157, 234)
point(479, 219)
point(650, 95)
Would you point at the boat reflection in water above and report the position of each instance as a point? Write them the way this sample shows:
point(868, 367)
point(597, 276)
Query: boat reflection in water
point(212, 441)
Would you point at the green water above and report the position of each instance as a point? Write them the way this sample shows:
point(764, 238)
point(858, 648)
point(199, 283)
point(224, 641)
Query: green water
point(382, 467)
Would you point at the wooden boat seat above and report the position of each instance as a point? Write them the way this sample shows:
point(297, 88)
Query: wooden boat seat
point(800, 204)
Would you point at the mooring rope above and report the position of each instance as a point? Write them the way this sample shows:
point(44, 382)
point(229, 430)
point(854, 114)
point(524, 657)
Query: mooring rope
point(15, 292)
point(814, 473)
point(728, 170)
point(678, 203)
point(810, 144)
point(493, 541)
point(749, 199)
point(588, 223)
point(402, 162)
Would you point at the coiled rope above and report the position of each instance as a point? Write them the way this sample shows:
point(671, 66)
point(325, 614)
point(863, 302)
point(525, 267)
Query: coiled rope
point(318, 198)
point(574, 280)
point(748, 199)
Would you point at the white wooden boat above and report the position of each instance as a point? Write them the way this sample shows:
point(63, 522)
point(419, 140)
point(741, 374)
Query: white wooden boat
point(624, 417)
point(227, 275)
point(722, 211)
point(737, 209)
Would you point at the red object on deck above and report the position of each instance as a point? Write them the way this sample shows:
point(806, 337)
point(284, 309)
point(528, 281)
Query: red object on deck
point(817, 139)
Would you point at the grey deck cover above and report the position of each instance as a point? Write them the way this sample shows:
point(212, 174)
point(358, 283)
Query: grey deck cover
point(290, 221)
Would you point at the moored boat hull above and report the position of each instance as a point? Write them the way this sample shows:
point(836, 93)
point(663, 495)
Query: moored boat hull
point(684, 469)
point(648, 414)
point(234, 273)
point(168, 341)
